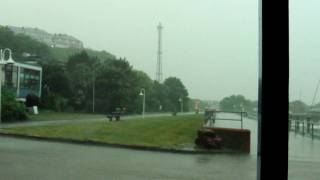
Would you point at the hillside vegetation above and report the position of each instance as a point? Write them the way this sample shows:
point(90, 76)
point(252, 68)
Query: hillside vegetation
point(63, 54)
point(39, 51)
point(85, 80)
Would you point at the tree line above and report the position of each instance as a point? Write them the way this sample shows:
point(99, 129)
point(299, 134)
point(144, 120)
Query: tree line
point(88, 84)
point(238, 103)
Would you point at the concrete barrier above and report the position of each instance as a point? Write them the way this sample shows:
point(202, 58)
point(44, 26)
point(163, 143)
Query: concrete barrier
point(234, 139)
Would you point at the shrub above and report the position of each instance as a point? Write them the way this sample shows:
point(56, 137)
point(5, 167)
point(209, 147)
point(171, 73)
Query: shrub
point(11, 110)
point(54, 101)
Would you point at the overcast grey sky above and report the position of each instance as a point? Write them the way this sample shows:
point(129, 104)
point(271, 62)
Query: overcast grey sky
point(304, 50)
point(211, 45)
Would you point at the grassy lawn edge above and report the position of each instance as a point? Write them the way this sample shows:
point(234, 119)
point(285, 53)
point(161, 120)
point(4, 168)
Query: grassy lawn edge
point(173, 133)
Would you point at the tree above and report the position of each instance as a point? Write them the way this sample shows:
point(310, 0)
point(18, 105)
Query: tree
point(115, 86)
point(56, 86)
point(298, 106)
point(235, 103)
point(81, 71)
point(158, 98)
point(142, 80)
point(176, 90)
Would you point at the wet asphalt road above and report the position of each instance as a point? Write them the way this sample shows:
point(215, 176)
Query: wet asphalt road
point(28, 159)
point(32, 160)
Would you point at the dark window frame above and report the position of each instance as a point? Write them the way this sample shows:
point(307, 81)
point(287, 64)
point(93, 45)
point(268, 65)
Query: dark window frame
point(272, 161)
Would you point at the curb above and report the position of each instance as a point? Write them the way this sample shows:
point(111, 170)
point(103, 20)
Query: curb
point(115, 145)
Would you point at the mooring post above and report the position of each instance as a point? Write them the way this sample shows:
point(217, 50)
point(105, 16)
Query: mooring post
point(312, 130)
point(289, 125)
point(241, 121)
point(308, 125)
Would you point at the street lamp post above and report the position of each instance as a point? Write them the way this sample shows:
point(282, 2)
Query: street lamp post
point(143, 93)
point(241, 107)
point(3, 61)
point(181, 104)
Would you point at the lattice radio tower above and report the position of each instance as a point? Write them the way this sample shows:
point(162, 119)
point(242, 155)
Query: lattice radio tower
point(159, 57)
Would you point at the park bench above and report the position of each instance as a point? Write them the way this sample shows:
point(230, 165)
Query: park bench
point(115, 114)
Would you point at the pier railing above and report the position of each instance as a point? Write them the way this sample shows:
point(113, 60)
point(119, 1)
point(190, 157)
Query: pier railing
point(211, 117)
point(303, 123)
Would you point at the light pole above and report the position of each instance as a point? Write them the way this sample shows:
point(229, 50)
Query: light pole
point(143, 93)
point(181, 104)
point(242, 108)
point(3, 61)
point(93, 89)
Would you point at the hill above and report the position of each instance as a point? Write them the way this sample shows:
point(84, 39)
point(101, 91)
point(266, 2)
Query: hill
point(62, 54)
point(24, 48)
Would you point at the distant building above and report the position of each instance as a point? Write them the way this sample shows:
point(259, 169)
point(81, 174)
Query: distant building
point(22, 79)
point(52, 40)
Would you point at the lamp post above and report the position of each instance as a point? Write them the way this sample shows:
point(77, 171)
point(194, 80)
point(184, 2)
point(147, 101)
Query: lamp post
point(93, 89)
point(181, 104)
point(241, 107)
point(3, 61)
point(143, 93)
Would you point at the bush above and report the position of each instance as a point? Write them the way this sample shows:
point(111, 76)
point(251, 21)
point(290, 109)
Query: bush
point(11, 110)
point(55, 102)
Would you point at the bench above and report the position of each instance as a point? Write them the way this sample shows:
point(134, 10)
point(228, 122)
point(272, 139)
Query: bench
point(115, 115)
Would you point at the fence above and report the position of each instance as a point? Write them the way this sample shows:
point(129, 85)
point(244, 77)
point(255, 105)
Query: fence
point(211, 117)
point(306, 124)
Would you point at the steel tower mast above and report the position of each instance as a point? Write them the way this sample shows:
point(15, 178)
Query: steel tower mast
point(159, 57)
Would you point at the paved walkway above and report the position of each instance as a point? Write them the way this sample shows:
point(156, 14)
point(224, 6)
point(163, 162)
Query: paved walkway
point(53, 122)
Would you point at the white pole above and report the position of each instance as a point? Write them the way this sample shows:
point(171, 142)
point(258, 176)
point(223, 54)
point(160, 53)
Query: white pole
point(0, 87)
point(1, 61)
point(93, 96)
point(144, 103)
point(181, 105)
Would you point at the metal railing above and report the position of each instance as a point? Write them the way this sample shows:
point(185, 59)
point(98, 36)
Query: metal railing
point(211, 117)
point(303, 123)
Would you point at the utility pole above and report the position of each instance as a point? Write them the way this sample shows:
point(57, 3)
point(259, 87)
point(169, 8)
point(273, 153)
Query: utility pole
point(159, 57)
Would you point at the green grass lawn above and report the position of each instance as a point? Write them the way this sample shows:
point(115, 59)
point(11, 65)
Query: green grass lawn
point(47, 115)
point(165, 132)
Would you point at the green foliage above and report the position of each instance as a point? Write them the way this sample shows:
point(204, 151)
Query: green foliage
point(55, 79)
point(21, 43)
point(176, 90)
point(11, 110)
point(55, 102)
point(71, 75)
point(63, 54)
point(298, 106)
point(236, 103)
point(115, 86)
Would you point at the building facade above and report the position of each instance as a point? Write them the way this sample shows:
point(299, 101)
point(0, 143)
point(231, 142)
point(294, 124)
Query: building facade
point(22, 79)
